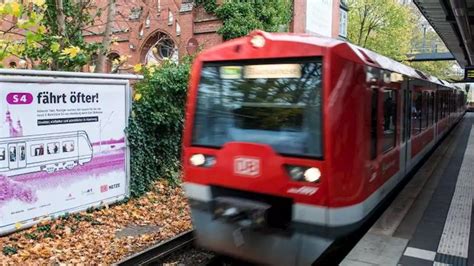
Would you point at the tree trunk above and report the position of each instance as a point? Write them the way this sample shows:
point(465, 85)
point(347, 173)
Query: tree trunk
point(61, 21)
point(102, 57)
point(61, 18)
point(362, 24)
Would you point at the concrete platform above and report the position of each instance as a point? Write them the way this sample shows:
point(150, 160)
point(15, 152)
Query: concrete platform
point(431, 221)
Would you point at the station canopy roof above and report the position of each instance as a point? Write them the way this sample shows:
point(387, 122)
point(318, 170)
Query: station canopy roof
point(453, 20)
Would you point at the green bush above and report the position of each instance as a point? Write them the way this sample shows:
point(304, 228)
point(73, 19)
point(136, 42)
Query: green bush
point(156, 124)
point(239, 18)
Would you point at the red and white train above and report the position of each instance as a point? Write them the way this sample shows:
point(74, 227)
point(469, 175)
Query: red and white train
point(46, 152)
point(292, 141)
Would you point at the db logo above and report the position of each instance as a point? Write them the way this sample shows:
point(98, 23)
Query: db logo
point(104, 188)
point(247, 166)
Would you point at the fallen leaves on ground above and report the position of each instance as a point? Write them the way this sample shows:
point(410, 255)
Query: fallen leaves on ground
point(90, 237)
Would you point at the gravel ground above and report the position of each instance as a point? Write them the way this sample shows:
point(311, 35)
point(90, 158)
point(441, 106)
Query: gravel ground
point(192, 256)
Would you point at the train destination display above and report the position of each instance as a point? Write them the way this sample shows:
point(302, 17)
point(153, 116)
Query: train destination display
point(62, 146)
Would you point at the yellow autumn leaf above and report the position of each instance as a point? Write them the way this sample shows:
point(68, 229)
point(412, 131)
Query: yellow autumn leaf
point(137, 68)
point(34, 16)
point(41, 29)
point(55, 47)
point(39, 2)
point(16, 9)
point(21, 22)
point(71, 51)
point(18, 226)
point(137, 97)
point(123, 58)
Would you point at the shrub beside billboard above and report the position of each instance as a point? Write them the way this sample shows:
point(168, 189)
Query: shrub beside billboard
point(62, 147)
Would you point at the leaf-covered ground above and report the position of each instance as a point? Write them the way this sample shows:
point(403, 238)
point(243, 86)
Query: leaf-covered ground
point(100, 236)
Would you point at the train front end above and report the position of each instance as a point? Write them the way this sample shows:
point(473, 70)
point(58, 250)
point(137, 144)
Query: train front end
point(253, 163)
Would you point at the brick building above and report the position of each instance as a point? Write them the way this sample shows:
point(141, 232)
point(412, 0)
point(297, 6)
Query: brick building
point(150, 30)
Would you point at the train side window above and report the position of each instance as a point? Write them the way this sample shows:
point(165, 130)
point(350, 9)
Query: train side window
point(430, 99)
point(407, 113)
point(53, 147)
point(449, 103)
point(440, 105)
point(416, 113)
point(2, 154)
point(436, 102)
point(68, 146)
point(389, 119)
point(445, 104)
point(37, 150)
point(373, 125)
point(425, 111)
point(13, 154)
point(433, 107)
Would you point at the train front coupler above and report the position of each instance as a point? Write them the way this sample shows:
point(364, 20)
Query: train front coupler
point(247, 214)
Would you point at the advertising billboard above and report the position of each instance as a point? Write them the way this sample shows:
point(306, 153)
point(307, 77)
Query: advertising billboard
point(319, 17)
point(62, 144)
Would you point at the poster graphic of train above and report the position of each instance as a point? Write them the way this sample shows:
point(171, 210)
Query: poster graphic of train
point(63, 149)
point(47, 152)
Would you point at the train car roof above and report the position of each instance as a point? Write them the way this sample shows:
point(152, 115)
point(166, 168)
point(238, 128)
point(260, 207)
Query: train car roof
point(363, 55)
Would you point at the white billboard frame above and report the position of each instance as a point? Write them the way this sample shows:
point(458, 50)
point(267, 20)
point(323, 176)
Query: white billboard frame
point(60, 77)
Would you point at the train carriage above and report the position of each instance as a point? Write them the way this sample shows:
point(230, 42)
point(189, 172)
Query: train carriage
point(291, 141)
point(47, 152)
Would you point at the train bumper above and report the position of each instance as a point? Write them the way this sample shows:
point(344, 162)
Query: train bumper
point(295, 248)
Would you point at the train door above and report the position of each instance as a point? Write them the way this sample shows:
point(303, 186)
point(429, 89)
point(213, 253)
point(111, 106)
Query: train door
point(405, 124)
point(16, 155)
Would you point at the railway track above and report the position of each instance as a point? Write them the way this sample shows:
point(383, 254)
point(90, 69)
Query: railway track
point(158, 252)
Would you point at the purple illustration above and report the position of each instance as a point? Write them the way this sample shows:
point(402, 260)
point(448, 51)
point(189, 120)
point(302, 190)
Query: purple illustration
point(10, 190)
point(23, 187)
point(15, 131)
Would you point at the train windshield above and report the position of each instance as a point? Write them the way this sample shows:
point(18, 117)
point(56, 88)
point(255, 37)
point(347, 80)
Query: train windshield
point(277, 103)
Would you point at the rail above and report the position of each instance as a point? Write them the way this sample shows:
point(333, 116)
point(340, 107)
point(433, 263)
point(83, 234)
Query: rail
point(159, 251)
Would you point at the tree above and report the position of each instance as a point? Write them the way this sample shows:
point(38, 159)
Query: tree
point(102, 57)
point(239, 18)
point(49, 33)
point(426, 40)
point(384, 26)
point(395, 30)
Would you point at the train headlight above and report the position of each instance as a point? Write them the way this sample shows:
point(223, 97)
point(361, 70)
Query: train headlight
point(312, 174)
point(202, 160)
point(258, 41)
point(197, 159)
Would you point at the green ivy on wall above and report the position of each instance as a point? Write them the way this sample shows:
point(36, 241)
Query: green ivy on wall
point(209, 5)
point(156, 124)
point(239, 18)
